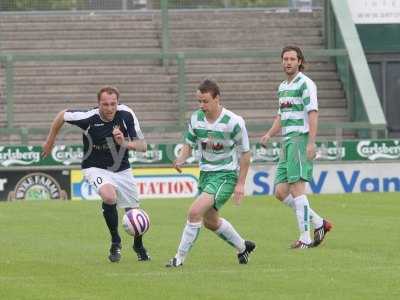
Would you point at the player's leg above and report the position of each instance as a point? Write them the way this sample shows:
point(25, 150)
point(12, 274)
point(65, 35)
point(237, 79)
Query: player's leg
point(301, 169)
point(224, 229)
point(282, 193)
point(281, 185)
point(192, 228)
point(108, 194)
point(302, 208)
point(287, 167)
point(128, 198)
point(224, 185)
point(288, 200)
point(228, 233)
point(101, 180)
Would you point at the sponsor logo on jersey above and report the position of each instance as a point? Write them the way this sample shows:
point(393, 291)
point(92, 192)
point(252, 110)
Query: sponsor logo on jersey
point(286, 104)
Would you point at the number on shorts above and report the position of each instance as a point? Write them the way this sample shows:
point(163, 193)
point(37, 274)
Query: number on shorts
point(98, 181)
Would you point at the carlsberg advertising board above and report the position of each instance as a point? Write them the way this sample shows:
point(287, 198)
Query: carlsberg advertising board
point(165, 154)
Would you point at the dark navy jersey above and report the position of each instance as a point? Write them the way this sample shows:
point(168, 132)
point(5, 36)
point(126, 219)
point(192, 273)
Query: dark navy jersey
point(100, 149)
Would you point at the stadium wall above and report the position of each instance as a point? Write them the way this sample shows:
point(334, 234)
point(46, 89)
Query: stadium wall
point(379, 37)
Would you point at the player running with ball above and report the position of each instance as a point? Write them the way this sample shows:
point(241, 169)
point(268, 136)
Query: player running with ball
point(221, 137)
point(110, 130)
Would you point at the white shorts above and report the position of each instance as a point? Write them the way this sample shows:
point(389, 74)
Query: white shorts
point(124, 183)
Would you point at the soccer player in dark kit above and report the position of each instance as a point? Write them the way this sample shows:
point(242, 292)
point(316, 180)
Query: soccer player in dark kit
point(109, 132)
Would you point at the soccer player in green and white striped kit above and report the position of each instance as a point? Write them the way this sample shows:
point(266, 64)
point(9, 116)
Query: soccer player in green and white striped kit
point(222, 140)
point(297, 119)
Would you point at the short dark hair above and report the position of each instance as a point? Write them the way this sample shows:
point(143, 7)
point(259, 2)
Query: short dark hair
point(209, 86)
point(300, 55)
point(109, 90)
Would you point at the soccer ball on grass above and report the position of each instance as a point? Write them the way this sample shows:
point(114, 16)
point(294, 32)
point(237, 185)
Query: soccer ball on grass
point(136, 222)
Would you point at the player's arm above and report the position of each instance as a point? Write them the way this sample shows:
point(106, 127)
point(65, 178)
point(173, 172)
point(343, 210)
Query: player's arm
point(54, 130)
point(190, 142)
point(139, 145)
point(78, 118)
point(311, 105)
point(242, 141)
point(275, 128)
point(244, 164)
point(184, 154)
point(313, 124)
point(134, 144)
point(135, 140)
point(312, 133)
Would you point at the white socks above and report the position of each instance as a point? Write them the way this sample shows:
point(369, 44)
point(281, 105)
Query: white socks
point(191, 232)
point(189, 236)
point(289, 201)
point(303, 219)
point(230, 235)
point(316, 220)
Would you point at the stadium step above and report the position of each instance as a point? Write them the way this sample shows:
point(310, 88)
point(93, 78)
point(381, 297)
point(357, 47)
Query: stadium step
point(248, 84)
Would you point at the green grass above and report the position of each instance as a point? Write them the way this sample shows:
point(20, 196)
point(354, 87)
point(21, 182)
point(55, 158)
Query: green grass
point(57, 250)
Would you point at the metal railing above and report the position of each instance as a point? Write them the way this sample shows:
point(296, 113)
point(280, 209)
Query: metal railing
point(180, 58)
point(8, 60)
point(80, 5)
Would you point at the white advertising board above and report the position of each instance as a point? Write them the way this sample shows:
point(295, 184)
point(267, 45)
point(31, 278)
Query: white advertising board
point(333, 178)
point(328, 178)
point(375, 11)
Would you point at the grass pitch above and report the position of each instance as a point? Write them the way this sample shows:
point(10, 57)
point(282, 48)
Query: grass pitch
point(58, 250)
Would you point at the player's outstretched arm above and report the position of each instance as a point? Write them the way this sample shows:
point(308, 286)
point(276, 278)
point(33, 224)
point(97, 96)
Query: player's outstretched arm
point(244, 163)
point(185, 153)
point(275, 128)
point(54, 129)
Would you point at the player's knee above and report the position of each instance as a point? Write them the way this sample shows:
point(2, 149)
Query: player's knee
point(108, 194)
point(194, 215)
point(109, 200)
point(210, 224)
point(280, 195)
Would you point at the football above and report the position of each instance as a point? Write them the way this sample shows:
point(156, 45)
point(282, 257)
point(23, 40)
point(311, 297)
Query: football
point(136, 222)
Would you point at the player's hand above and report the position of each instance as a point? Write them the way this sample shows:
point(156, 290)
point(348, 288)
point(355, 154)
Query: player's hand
point(264, 140)
point(47, 147)
point(311, 153)
point(238, 194)
point(177, 164)
point(118, 136)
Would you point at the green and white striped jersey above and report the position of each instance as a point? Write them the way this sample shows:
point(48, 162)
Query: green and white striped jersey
point(296, 99)
point(218, 143)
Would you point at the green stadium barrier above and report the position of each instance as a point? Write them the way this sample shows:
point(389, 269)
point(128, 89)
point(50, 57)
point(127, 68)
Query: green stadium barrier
point(164, 154)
